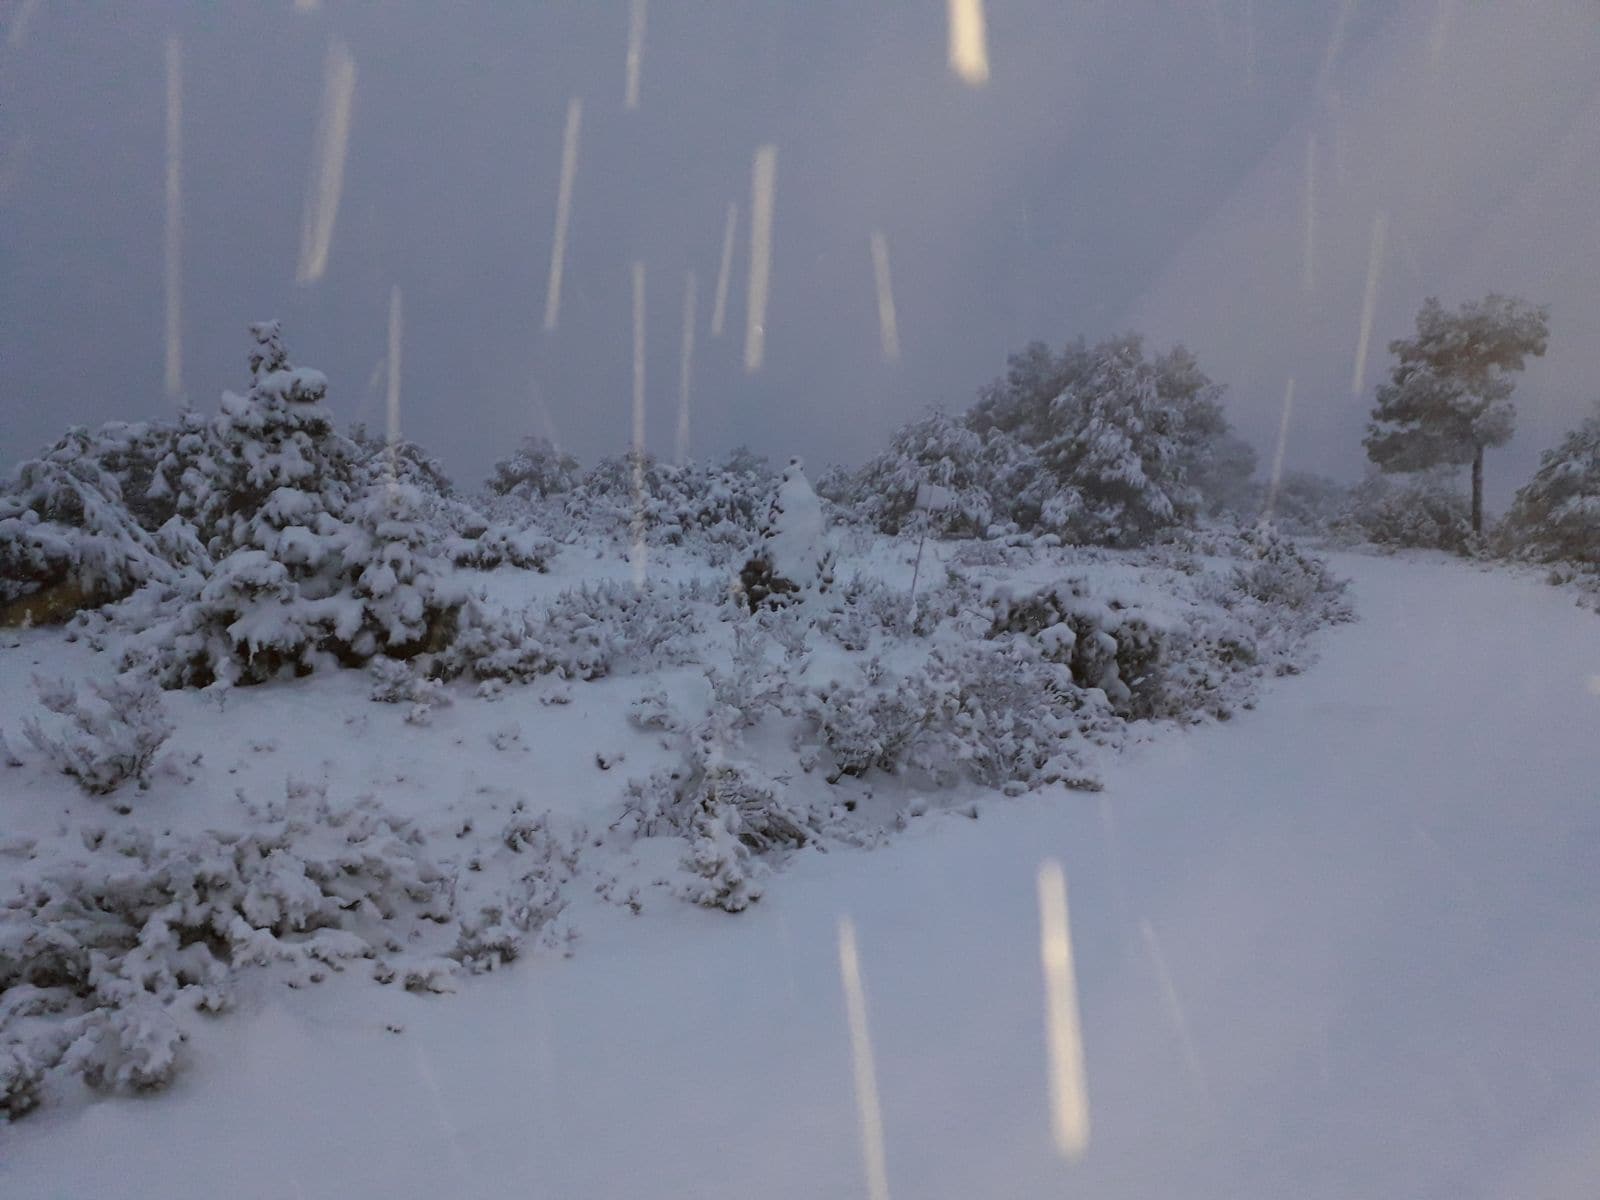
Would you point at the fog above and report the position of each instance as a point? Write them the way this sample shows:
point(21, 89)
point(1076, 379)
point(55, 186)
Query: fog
point(1213, 174)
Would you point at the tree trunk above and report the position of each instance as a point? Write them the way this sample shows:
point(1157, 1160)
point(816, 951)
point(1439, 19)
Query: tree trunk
point(1477, 491)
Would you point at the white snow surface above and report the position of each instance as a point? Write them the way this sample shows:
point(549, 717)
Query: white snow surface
point(1345, 945)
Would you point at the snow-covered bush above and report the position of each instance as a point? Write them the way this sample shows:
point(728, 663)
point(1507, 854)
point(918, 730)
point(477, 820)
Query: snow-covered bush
point(501, 545)
point(1305, 504)
point(729, 811)
point(536, 470)
point(715, 510)
point(314, 562)
point(102, 953)
point(67, 539)
point(116, 728)
point(1106, 644)
point(997, 713)
point(1425, 511)
point(1556, 514)
point(795, 557)
point(934, 451)
point(1278, 572)
point(584, 633)
point(531, 907)
point(400, 461)
point(1098, 444)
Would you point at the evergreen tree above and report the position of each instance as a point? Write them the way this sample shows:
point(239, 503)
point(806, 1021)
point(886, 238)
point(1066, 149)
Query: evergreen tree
point(1448, 397)
point(1556, 514)
point(933, 451)
point(535, 471)
point(794, 558)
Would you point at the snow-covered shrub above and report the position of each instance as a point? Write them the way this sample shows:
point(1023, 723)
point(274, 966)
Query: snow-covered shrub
point(865, 608)
point(730, 811)
point(314, 562)
point(396, 682)
point(997, 713)
point(67, 539)
point(116, 728)
point(400, 461)
point(536, 470)
point(1276, 571)
point(102, 953)
point(531, 906)
point(1105, 644)
point(795, 557)
point(1556, 514)
point(723, 873)
point(934, 451)
point(715, 510)
point(584, 633)
point(1426, 511)
point(501, 545)
point(1098, 444)
point(1305, 504)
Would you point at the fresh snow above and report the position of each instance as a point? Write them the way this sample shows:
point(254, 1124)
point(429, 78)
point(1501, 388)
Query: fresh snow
point(1345, 945)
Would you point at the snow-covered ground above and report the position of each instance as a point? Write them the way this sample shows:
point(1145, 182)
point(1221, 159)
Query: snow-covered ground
point(1345, 945)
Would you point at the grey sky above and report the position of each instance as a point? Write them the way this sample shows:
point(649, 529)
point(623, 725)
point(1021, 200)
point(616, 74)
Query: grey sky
point(1128, 164)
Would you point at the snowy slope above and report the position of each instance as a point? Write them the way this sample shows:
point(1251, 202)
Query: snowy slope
point(1345, 945)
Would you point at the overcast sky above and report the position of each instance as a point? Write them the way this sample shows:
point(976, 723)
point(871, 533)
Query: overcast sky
point(1128, 164)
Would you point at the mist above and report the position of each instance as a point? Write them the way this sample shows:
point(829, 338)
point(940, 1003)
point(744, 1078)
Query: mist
point(1211, 174)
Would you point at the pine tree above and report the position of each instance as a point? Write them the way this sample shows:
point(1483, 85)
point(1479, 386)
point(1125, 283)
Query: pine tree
point(67, 540)
point(795, 558)
point(1556, 515)
point(1448, 397)
point(535, 471)
point(1121, 445)
point(933, 451)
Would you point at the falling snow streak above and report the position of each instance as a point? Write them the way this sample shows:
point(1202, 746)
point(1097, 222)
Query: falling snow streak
point(637, 554)
point(763, 178)
point(392, 407)
point(1369, 302)
point(719, 309)
point(1330, 56)
point(1308, 270)
point(969, 42)
point(558, 249)
point(866, 1073)
point(1277, 451)
point(888, 328)
point(174, 222)
point(327, 177)
point(1169, 996)
point(635, 52)
point(1069, 1093)
point(685, 368)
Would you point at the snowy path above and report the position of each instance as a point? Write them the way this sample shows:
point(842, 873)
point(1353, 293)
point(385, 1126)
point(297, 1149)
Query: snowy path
point(1346, 946)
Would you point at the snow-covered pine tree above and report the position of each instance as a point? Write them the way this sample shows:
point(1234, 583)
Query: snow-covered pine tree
point(403, 461)
point(938, 451)
point(1121, 445)
point(1425, 511)
point(67, 540)
point(535, 471)
point(313, 560)
point(795, 558)
point(1556, 514)
point(408, 604)
point(1448, 396)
